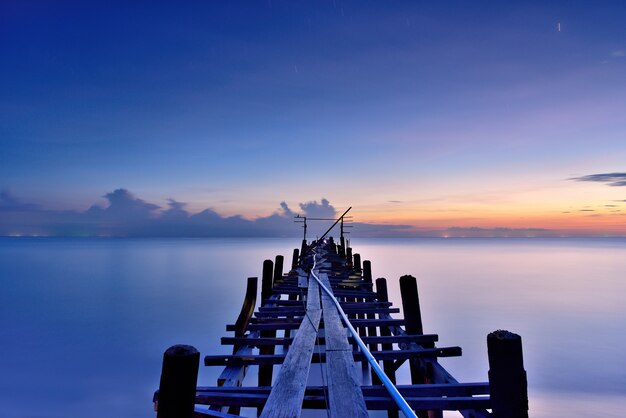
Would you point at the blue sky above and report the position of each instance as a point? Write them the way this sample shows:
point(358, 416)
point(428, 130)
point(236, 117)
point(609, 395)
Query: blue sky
point(436, 115)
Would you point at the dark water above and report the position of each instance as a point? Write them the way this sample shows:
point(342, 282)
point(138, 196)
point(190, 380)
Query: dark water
point(84, 322)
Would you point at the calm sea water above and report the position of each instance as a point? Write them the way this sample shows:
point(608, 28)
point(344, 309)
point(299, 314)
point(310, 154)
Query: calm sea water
point(84, 322)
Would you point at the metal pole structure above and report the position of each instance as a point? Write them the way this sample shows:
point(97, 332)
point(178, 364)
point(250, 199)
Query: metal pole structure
point(320, 239)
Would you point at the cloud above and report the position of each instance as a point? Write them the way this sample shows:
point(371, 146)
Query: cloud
point(318, 210)
point(395, 201)
point(8, 201)
point(619, 53)
point(126, 215)
point(612, 179)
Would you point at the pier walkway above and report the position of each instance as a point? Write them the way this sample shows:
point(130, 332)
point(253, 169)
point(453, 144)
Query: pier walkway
point(328, 318)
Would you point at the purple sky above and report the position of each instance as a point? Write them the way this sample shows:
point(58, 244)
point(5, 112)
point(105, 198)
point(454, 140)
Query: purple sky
point(455, 114)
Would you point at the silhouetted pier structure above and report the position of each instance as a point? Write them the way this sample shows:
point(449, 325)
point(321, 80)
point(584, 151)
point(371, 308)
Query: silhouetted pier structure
point(297, 324)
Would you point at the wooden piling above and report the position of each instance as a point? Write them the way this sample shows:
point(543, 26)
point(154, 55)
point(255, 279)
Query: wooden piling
point(179, 377)
point(371, 331)
point(267, 280)
point(303, 248)
point(357, 262)
point(388, 366)
point(413, 326)
point(411, 305)
point(367, 271)
point(507, 377)
point(368, 310)
point(294, 259)
point(266, 371)
point(278, 267)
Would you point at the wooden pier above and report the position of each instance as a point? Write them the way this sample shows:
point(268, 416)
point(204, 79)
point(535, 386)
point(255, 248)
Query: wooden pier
point(297, 324)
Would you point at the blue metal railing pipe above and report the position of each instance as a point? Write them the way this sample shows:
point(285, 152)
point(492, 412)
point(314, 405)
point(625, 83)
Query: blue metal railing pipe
point(388, 384)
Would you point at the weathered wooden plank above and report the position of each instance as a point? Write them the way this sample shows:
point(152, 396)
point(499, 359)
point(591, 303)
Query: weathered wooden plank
point(261, 359)
point(292, 304)
point(302, 279)
point(339, 293)
point(234, 375)
point(438, 374)
point(285, 399)
point(264, 324)
point(201, 413)
point(345, 398)
point(274, 326)
point(393, 339)
point(299, 311)
point(313, 296)
point(344, 395)
point(318, 401)
point(256, 342)
point(421, 390)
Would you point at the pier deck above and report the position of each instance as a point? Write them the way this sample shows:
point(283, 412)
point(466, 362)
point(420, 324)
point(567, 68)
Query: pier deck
point(297, 324)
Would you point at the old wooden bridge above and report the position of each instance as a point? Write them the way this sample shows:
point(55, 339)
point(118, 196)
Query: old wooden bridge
point(328, 310)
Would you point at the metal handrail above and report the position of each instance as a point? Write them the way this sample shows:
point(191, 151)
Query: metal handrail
point(388, 384)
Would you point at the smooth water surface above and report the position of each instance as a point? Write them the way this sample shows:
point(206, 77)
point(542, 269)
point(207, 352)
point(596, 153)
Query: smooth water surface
point(85, 321)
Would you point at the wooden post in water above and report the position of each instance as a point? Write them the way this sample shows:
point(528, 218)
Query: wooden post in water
point(294, 259)
point(367, 271)
point(413, 326)
point(266, 370)
point(278, 268)
point(507, 377)
point(388, 367)
point(179, 377)
point(411, 305)
point(357, 262)
point(367, 278)
point(303, 248)
point(267, 282)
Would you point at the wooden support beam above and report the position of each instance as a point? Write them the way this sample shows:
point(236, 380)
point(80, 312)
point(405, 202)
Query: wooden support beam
point(425, 390)
point(299, 311)
point(249, 301)
point(282, 302)
point(375, 340)
point(318, 401)
point(201, 413)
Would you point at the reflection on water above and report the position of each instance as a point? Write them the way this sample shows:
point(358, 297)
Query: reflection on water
point(88, 319)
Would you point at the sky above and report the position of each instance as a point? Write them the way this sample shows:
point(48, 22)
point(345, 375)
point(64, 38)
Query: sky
point(448, 118)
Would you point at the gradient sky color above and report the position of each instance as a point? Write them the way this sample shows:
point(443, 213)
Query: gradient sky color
point(432, 114)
